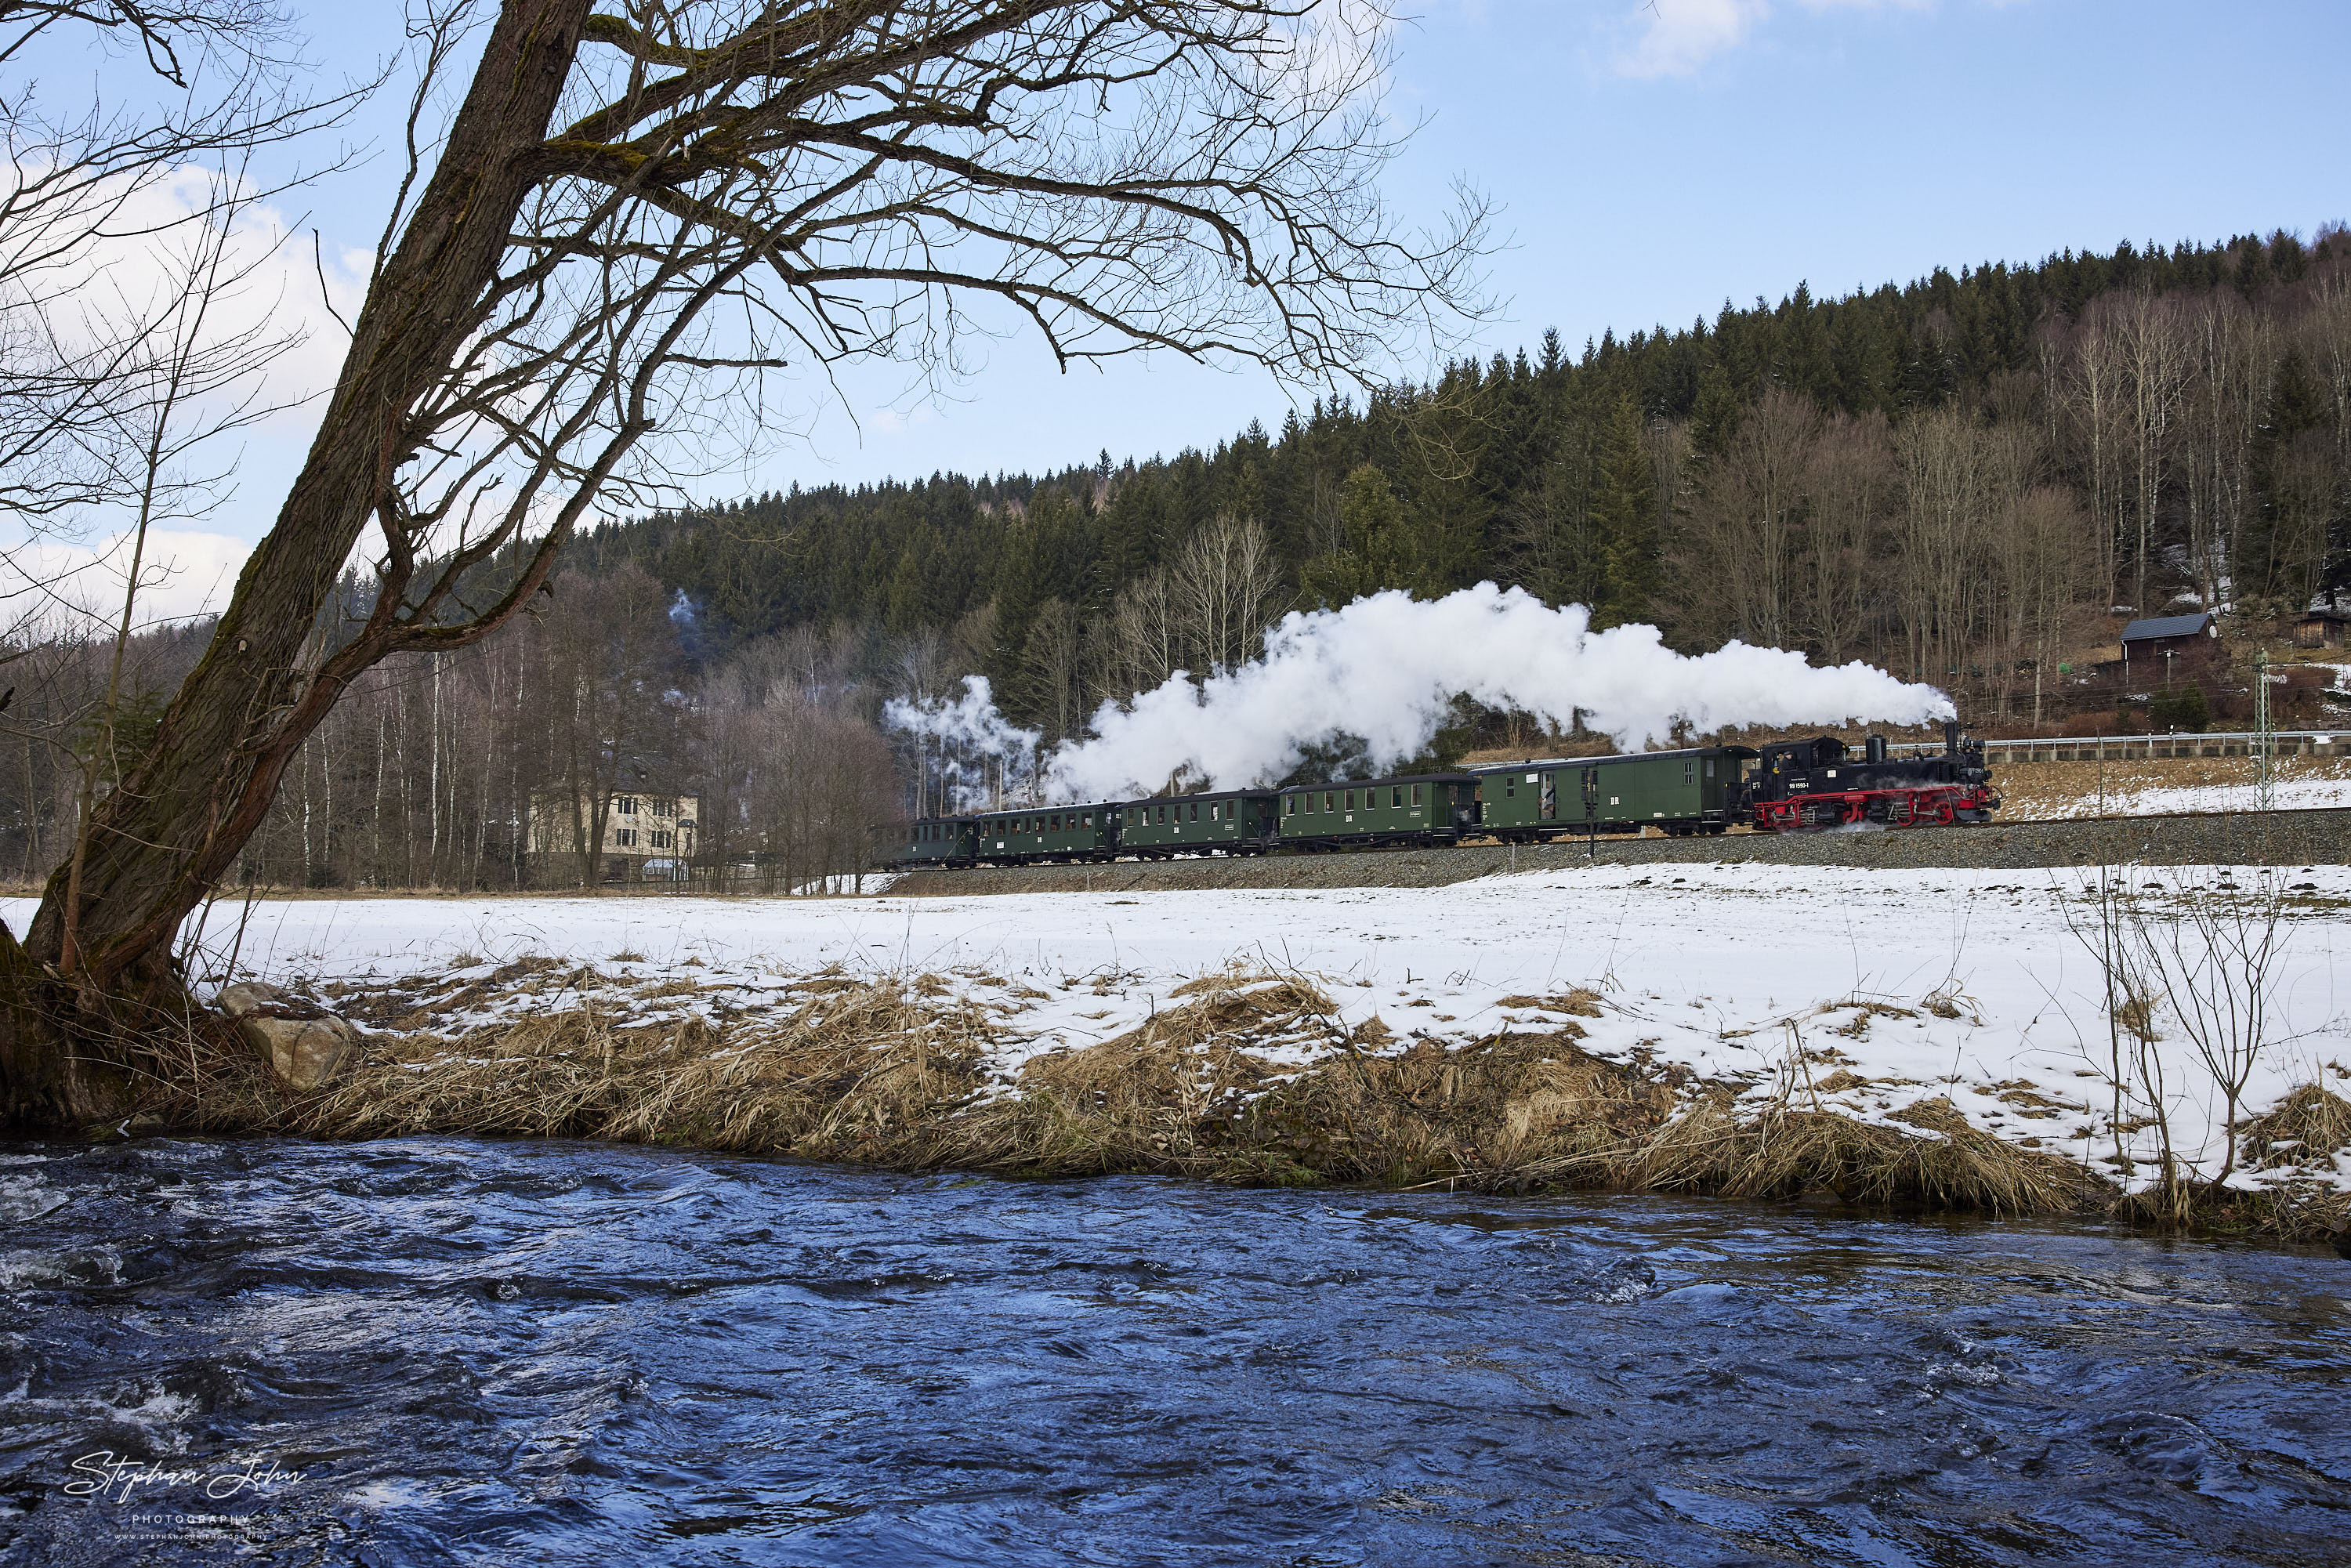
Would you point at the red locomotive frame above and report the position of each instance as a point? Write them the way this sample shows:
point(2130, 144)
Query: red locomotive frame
point(1925, 806)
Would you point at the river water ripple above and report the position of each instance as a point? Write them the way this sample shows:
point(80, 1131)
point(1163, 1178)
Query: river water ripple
point(561, 1352)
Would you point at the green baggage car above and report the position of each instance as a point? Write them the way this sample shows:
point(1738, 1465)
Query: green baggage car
point(1235, 821)
point(1042, 833)
point(1429, 807)
point(1681, 792)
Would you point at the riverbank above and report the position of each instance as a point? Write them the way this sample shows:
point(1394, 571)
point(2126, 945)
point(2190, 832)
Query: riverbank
point(1925, 1037)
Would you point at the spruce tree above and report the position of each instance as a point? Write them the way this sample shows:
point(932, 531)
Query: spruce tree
point(1624, 508)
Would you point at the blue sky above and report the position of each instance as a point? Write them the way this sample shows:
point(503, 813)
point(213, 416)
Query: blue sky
point(1648, 162)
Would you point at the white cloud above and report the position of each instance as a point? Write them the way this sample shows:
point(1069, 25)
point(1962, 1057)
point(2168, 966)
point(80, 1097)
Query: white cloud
point(1677, 37)
point(59, 589)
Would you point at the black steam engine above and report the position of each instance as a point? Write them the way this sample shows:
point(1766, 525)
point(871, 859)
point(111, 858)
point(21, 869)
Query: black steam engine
point(1821, 783)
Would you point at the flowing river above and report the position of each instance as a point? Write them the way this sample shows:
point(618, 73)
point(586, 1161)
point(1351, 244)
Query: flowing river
point(445, 1350)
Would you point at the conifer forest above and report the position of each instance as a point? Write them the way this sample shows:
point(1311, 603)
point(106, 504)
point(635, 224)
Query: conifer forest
point(1973, 479)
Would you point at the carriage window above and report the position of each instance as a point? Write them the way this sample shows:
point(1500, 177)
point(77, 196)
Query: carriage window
point(1416, 794)
point(1689, 772)
point(1709, 767)
point(1509, 788)
point(1289, 805)
point(1163, 813)
point(1395, 794)
point(1453, 794)
point(1196, 810)
point(1329, 800)
point(1087, 820)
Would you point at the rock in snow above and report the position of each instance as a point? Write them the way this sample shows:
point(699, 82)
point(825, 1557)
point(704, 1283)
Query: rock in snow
point(305, 1045)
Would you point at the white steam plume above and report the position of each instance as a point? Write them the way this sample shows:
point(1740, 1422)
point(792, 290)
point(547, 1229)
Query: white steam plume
point(1387, 667)
point(968, 735)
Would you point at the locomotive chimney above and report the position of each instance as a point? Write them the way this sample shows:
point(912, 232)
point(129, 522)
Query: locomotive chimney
point(1876, 752)
point(1951, 737)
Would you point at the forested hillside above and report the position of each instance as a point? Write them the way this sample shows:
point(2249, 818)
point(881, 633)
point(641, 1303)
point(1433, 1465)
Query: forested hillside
point(1966, 480)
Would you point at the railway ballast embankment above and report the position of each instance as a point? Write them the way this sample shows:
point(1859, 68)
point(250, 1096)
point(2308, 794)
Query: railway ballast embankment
point(2321, 837)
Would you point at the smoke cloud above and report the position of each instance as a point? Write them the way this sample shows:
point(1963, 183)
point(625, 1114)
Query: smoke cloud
point(968, 735)
point(1386, 669)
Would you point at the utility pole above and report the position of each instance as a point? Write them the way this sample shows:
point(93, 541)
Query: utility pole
point(2265, 735)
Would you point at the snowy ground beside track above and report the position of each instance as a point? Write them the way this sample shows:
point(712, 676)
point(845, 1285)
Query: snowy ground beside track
point(1723, 968)
point(2288, 794)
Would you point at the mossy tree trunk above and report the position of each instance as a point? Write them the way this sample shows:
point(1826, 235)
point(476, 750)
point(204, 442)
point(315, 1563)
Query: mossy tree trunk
point(88, 971)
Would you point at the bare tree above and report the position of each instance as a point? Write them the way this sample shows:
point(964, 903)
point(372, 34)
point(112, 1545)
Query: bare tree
point(1746, 513)
point(1853, 485)
point(1226, 586)
point(633, 218)
point(2234, 349)
point(80, 366)
point(2156, 365)
point(606, 674)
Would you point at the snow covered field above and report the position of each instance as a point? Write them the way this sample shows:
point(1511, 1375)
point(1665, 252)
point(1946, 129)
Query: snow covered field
point(1861, 993)
point(2164, 787)
point(2148, 800)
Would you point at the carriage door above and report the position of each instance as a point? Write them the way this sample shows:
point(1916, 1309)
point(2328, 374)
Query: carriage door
point(1590, 793)
point(1551, 797)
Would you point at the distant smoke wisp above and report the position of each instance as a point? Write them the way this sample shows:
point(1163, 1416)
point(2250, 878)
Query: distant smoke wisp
point(969, 737)
point(1387, 667)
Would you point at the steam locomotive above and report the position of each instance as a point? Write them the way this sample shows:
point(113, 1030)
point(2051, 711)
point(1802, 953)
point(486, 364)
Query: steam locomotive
point(1789, 787)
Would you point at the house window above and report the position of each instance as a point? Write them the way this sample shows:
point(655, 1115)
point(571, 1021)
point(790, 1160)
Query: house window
point(1416, 794)
point(661, 840)
point(626, 805)
point(624, 837)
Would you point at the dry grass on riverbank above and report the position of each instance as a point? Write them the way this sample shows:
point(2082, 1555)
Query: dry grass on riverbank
point(892, 1073)
point(1245, 1077)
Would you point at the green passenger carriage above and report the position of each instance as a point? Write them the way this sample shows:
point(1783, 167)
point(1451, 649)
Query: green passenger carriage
point(1427, 808)
point(1065, 833)
point(1237, 821)
point(939, 842)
